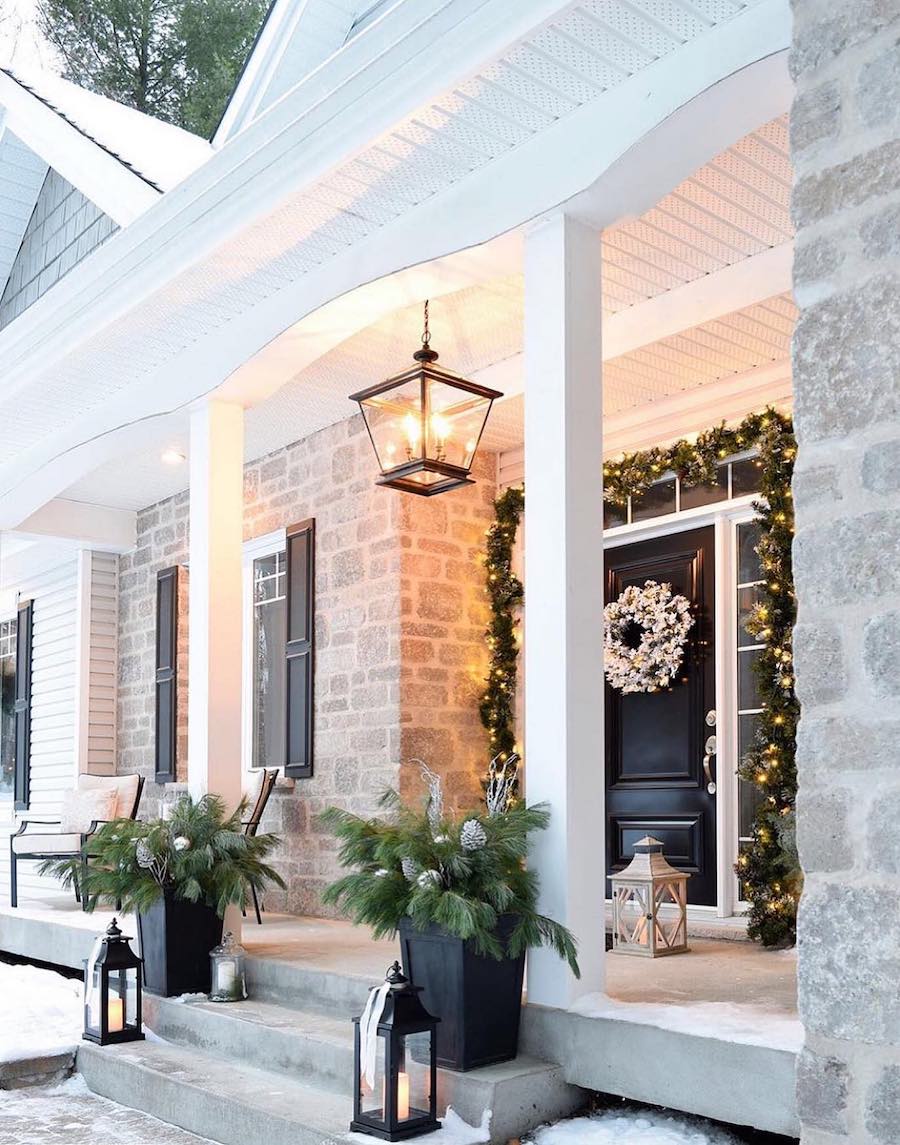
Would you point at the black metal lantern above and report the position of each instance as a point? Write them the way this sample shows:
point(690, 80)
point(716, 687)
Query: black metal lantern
point(112, 992)
point(425, 424)
point(395, 1074)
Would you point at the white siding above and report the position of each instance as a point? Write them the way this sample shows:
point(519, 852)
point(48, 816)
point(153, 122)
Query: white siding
point(102, 606)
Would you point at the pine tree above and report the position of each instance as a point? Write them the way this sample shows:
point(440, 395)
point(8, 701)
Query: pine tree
point(177, 60)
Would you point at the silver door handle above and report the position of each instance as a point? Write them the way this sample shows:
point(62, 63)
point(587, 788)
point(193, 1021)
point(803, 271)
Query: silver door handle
point(709, 752)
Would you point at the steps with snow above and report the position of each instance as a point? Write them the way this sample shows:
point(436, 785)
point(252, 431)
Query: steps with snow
point(37, 1069)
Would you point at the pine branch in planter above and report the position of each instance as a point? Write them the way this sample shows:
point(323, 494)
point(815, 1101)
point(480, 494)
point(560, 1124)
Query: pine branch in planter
point(459, 872)
point(201, 854)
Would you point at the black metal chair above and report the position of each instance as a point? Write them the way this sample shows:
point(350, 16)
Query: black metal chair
point(251, 825)
point(59, 844)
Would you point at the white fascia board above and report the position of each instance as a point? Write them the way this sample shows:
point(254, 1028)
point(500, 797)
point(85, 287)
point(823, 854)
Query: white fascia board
point(735, 287)
point(82, 525)
point(280, 154)
point(106, 181)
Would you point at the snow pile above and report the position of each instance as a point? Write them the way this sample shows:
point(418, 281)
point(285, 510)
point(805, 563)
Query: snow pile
point(634, 1128)
point(727, 1021)
point(43, 1012)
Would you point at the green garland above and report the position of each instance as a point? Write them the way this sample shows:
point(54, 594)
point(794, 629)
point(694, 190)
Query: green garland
point(768, 868)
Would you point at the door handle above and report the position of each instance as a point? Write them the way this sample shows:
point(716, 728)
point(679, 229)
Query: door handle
point(708, 752)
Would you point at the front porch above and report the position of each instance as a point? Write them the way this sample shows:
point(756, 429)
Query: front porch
point(662, 1025)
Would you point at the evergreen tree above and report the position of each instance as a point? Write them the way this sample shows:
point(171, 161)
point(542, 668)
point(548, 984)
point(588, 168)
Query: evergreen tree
point(175, 59)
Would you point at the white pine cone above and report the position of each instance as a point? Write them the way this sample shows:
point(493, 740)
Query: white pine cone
point(143, 854)
point(410, 870)
point(429, 878)
point(472, 836)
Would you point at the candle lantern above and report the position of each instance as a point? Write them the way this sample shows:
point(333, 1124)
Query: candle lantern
point(649, 904)
point(112, 991)
point(425, 424)
point(229, 981)
point(395, 1063)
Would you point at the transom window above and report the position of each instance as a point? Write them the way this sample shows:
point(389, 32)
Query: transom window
point(268, 660)
point(7, 709)
point(736, 477)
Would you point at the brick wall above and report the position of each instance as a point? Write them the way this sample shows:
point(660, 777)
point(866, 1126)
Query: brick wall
point(845, 129)
point(400, 616)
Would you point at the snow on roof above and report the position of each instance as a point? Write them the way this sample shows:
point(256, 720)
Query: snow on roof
point(158, 152)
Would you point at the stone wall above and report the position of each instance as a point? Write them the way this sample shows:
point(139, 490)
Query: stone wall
point(845, 131)
point(400, 617)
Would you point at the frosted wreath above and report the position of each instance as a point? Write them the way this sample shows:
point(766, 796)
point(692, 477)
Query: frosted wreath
point(663, 621)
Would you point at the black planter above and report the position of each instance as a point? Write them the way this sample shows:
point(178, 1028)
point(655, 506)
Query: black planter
point(478, 999)
point(176, 938)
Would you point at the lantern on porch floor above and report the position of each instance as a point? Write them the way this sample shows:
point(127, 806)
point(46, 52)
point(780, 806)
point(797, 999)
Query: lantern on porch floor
point(649, 904)
point(228, 976)
point(425, 424)
point(395, 1063)
point(112, 991)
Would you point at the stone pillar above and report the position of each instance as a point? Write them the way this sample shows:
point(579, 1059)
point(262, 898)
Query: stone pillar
point(215, 601)
point(564, 593)
point(845, 138)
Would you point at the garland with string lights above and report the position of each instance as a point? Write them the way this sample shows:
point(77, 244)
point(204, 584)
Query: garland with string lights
point(768, 867)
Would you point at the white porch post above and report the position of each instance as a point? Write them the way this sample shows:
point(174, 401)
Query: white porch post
point(564, 593)
point(215, 614)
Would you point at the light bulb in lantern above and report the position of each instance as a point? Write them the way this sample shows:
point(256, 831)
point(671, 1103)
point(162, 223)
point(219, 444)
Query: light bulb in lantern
point(116, 1015)
point(413, 432)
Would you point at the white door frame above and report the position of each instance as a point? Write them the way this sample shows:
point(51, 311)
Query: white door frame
point(724, 516)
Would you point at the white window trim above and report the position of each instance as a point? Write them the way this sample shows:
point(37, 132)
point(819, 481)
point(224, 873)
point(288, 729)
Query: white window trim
point(264, 546)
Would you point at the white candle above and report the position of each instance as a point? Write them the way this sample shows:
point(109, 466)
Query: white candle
point(402, 1096)
point(227, 973)
point(116, 1015)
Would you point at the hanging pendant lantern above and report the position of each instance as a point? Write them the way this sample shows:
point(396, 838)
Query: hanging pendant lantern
point(425, 424)
point(112, 991)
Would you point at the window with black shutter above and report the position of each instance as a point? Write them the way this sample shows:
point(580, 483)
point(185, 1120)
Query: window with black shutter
point(22, 706)
point(166, 673)
point(300, 649)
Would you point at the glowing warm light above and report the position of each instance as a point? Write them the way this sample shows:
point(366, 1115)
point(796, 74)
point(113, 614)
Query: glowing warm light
point(412, 429)
point(403, 1096)
point(116, 1015)
point(172, 457)
point(440, 426)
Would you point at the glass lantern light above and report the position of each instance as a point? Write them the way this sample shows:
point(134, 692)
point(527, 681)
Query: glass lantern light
point(425, 424)
point(229, 980)
point(640, 892)
point(112, 992)
point(399, 1098)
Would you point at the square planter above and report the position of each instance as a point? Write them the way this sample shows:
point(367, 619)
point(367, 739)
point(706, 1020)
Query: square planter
point(176, 938)
point(478, 999)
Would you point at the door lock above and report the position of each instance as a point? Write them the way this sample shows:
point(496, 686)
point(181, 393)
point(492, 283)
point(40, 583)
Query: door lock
point(708, 752)
point(711, 718)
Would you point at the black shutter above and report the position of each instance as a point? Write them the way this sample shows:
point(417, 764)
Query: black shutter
point(301, 581)
point(166, 673)
point(22, 707)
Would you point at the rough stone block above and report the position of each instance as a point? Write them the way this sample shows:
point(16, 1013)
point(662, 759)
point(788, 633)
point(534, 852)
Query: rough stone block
point(883, 1106)
point(883, 853)
point(878, 90)
point(816, 115)
point(843, 561)
point(823, 830)
point(841, 743)
point(868, 176)
point(881, 654)
point(819, 662)
point(822, 1084)
point(881, 462)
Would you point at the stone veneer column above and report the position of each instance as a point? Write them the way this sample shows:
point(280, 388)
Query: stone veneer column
point(845, 136)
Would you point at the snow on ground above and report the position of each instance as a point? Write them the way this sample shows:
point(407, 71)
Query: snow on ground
point(634, 1128)
point(70, 1113)
point(42, 1012)
point(728, 1021)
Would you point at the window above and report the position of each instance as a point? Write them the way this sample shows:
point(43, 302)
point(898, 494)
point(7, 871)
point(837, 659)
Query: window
point(749, 704)
point(267, 660)
point(737, 477)
point(7, 709)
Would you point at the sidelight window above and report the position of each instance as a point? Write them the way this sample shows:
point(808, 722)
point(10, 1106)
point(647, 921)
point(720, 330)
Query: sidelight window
point(750, 583)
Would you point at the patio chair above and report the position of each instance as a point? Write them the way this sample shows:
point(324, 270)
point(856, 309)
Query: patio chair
point(95, 800)
point(251, 825)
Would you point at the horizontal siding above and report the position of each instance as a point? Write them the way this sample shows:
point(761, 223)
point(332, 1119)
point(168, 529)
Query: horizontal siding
point(53, 709)
point(102, 671)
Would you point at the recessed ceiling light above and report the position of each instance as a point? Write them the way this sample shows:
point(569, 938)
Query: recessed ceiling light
point(172, 457)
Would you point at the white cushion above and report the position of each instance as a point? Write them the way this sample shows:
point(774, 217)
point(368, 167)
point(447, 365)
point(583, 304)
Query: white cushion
point(81, 807)
point(125, 787)
point(35, 844)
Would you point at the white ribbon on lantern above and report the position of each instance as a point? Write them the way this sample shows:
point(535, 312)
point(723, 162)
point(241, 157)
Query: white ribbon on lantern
point(368, 1030)
point(89, 974)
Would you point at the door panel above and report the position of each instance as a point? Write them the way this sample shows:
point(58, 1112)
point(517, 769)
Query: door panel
point(655, 741)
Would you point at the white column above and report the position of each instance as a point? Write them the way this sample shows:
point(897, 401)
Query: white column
point(214, 601)
point(564, 594)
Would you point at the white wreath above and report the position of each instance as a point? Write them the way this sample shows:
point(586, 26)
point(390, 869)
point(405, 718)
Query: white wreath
point(663, 620)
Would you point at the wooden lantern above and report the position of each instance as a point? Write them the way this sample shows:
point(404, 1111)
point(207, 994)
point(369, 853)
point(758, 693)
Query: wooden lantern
point(647, 885)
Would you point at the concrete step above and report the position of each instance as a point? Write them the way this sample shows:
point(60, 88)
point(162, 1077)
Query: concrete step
point(307, 987)
point(224, 1101)
point(284, 1042)
point(41, 1069)
point(278, 1039)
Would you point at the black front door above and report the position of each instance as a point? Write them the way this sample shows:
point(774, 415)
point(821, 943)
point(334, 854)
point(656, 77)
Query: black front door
point(655, 741)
